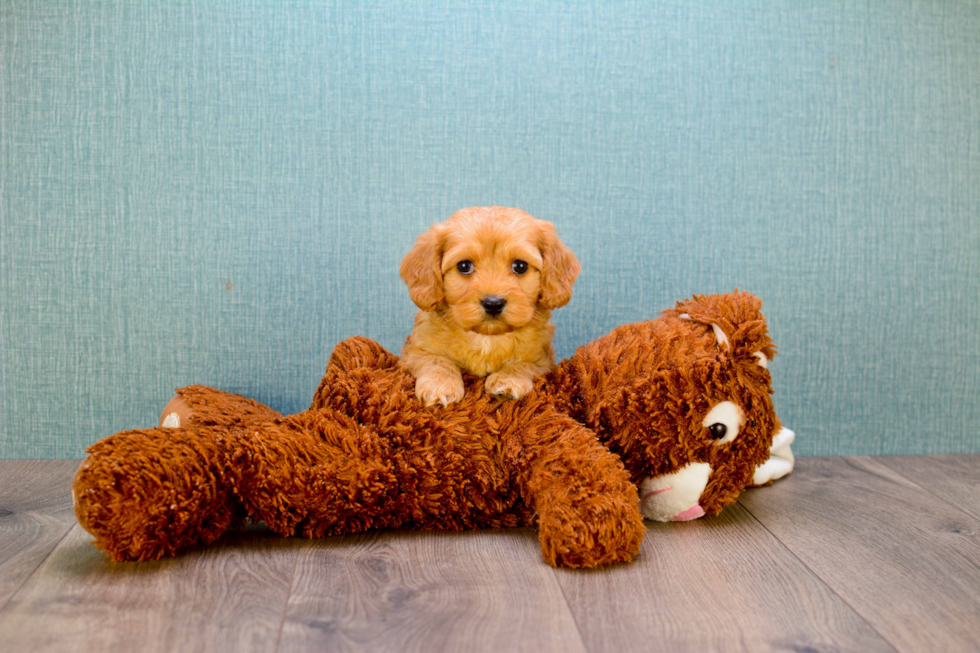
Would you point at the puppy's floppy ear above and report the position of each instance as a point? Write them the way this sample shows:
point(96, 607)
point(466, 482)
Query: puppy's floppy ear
point(421, 269)
point(559, 269)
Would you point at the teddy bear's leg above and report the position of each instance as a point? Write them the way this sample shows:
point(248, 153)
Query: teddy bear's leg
point(317, 473)
point(587, 507)
point(152, 493)
point(198, 405)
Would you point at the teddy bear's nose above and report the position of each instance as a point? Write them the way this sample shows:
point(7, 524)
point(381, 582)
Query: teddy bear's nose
point(493, 305)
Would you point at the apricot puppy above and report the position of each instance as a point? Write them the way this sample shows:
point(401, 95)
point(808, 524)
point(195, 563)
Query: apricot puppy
point(486, 281)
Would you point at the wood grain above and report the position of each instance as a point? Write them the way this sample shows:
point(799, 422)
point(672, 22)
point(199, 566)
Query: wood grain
point(35, 514)
point(229, 597)
point(906, 561)
point(721, 583)
point(411, 591)
point(955, 479)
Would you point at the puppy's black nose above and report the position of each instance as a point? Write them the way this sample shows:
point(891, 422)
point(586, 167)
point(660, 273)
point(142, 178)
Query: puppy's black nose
point(493, 305)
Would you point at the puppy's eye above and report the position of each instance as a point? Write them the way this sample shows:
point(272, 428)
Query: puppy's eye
point(465, 267)
point(718, 430)
point(519, 267)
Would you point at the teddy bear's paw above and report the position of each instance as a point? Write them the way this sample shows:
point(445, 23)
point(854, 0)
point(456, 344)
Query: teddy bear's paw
point(508, 386)
point(592, 539)
point(441, 389)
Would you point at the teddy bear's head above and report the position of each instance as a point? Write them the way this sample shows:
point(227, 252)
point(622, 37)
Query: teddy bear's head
point(685, 400)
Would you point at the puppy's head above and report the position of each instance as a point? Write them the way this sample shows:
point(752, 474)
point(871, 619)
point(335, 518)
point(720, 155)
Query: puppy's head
point(491, 269)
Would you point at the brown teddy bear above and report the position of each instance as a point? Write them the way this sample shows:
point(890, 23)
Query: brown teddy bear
point(666, 419)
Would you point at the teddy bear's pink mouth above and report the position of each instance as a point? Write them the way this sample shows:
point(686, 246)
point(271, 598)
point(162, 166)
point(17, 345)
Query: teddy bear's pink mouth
point(693, 512)
point(657, 491)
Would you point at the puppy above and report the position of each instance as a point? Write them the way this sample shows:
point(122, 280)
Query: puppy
point(486, 280)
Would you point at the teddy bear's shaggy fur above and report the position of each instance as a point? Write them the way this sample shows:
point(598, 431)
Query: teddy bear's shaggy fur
point(567, 458)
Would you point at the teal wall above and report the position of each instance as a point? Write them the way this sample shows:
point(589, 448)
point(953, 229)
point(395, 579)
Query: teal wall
point(217, 193)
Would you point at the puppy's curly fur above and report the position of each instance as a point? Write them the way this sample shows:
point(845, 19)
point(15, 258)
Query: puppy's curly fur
point(486, 281)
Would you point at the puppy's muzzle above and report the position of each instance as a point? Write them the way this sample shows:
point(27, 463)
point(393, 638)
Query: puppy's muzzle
point(493, 305)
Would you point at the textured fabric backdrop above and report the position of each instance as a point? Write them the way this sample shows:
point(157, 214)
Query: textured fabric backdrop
point(217, 193)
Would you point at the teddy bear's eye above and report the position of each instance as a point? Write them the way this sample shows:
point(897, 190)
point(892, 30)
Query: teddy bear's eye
point(519, 267)
point(465, 267)
point(723, 422)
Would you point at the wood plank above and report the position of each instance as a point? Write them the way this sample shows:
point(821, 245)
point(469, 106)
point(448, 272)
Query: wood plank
point(955, 479)
point(229, 597)
point(720, 583)
point(35, 514)
point(428, 591)
point(852, 553)
point(906, 561)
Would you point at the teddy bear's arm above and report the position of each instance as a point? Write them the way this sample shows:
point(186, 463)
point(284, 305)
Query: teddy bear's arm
point(586, 507)
point(352, 363)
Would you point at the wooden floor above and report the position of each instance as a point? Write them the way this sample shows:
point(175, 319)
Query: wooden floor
point(860, 554)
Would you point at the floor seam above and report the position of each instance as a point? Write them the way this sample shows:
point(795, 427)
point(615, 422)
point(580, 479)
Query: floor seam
point(40, 564)
point(568, 606)
point(819, 578)
point(289, 596)
point(927, 490)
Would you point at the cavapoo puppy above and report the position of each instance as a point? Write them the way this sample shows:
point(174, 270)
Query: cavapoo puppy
point(486, 280)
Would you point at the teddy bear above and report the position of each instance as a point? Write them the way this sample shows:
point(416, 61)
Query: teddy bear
point(665, 419)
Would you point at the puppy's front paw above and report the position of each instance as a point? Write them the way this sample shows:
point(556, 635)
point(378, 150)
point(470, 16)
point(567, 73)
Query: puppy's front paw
point(508, 386)
point(439, 388)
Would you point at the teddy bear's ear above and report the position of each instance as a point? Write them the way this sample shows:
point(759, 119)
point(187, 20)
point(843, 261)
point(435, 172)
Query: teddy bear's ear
point(719, 332)
point(421, 269)
point(559, 269)
point(735, 319)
